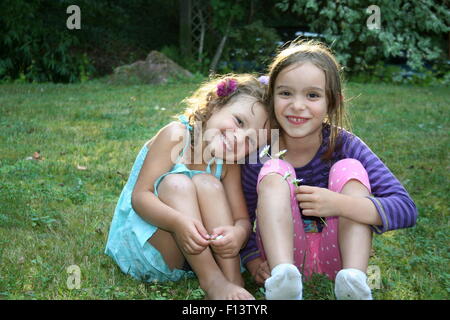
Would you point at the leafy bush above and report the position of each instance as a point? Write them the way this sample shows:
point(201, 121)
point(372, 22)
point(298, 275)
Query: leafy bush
point(38, 47)
point(249, 48)
point(438, 74)
point(414, 31)
point(33, 48)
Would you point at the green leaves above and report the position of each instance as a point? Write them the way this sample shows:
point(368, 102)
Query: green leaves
point(249, 47)
point(408, 30)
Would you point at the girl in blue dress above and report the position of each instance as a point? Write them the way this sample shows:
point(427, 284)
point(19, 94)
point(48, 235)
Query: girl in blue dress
point(182, 211)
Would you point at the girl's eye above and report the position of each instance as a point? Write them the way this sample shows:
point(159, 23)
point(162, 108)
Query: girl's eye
point(313, 95)
point(284, 93)
point(239, 121)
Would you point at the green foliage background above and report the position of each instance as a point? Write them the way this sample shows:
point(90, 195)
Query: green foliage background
point(37, 46)
point(413, 30)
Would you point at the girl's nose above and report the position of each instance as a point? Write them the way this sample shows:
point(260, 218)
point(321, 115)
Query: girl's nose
point(298, 104)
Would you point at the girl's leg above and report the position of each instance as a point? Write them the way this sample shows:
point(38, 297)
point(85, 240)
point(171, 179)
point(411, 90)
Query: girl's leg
point(277, 212)
point(178, 192)
point(275, 220)
point(355, 239)
point(349, 177)
point(216, 212)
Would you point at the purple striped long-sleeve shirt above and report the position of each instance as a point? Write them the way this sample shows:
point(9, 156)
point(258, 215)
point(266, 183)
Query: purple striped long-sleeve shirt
point(393, 203)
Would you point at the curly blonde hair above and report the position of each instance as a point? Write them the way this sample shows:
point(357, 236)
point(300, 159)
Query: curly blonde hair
point(205, 101)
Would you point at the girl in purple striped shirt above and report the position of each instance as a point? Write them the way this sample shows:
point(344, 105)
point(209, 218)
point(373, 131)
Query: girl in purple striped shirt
point(316, 209)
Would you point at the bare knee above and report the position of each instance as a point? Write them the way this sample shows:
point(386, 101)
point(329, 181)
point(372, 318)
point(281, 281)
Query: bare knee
point(207, 184)
point(272, 182)
point(174, 186)
point(274, 196)
point(355, 188)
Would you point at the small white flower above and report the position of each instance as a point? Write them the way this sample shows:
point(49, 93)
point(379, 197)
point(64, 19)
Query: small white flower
point(264, 152)
point(296, 182)
point(280, 154)
point(286, 175)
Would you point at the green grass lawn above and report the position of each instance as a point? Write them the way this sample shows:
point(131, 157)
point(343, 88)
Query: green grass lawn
point(54, 215)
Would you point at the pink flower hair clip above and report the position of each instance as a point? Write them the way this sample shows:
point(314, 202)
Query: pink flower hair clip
point(226, 87)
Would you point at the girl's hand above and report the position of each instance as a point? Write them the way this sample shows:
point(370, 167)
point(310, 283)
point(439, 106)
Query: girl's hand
point(259, 269)
point(318, 202)
point(226, 241)
point(191, 236)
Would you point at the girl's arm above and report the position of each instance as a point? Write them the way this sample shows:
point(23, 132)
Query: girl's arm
point(167, 144)
point(359, 209)
point(393, 205)
point(388, 208)
point(321, 202)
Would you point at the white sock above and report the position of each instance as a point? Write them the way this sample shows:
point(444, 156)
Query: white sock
point(351, 284)
point(285, 283)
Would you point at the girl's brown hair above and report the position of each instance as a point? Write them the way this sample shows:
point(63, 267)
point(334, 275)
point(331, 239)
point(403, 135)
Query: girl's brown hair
point(204, 101)
point(318, 54)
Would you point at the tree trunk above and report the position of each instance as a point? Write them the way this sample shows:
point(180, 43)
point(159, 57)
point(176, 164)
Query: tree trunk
point(202, 37)
point(215, 61)
point(185, 28)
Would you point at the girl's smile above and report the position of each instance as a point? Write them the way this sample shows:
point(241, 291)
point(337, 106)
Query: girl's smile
point(296, 120)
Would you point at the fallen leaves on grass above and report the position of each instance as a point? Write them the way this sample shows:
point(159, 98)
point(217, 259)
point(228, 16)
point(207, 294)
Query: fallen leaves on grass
point(36, 156)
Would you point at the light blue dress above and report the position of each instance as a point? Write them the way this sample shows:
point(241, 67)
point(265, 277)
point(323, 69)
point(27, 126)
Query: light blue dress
point(129, 234)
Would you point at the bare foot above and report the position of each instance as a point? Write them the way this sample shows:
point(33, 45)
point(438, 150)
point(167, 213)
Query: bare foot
point(222, 289)
point(235, 278)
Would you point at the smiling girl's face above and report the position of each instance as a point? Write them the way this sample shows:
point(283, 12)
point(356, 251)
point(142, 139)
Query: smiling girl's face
point(232, 131)
point(300, 102)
